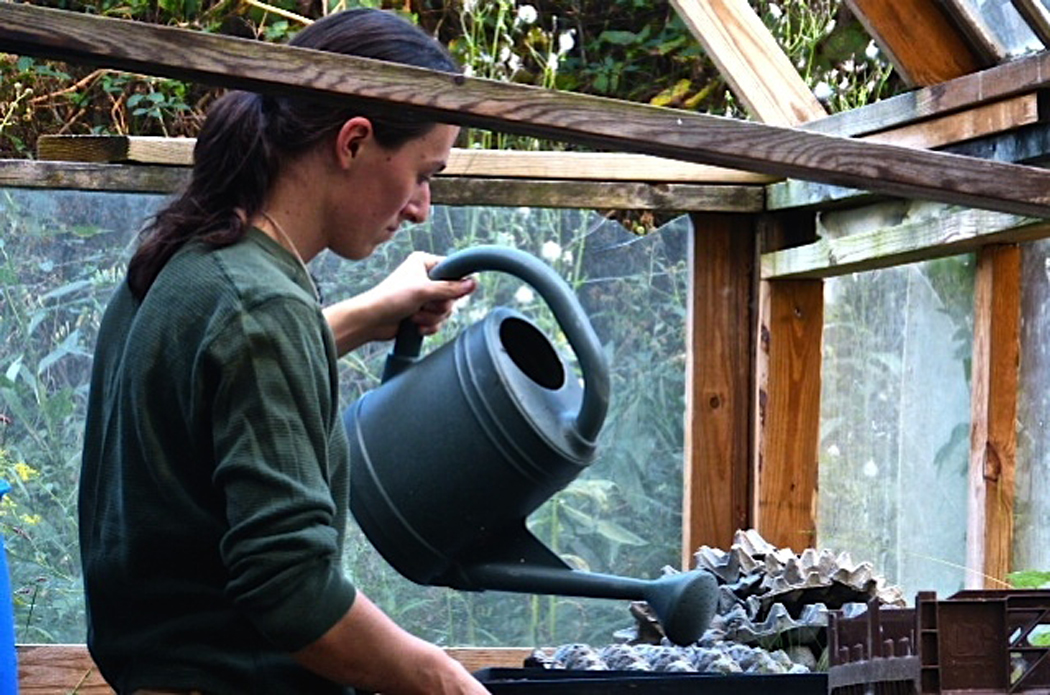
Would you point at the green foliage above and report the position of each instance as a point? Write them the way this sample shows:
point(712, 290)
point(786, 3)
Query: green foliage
point(50, 278)
point(1029, 579)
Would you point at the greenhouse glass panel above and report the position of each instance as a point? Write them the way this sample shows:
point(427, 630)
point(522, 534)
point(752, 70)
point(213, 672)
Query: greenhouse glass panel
point(61, 254)
point(895, 421)
point(1032, 502)
point(1008, 26)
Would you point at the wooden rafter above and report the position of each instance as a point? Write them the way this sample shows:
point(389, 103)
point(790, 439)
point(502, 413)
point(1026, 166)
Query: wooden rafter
point(748, 57)
point(922, 42)
point(595, 121)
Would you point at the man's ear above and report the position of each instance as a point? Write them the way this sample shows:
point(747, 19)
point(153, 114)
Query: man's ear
point(352, 135)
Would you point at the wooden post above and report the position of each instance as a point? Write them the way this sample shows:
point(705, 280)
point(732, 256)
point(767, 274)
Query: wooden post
point(993, 428)
point(788, 422)
point(720, 338)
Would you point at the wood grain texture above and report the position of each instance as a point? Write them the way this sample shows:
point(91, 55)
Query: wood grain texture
point(85, 176)
point(993, 416)
point(68, 668)
point(669, 197)
point(749, 58)
point(921, 41)
point(936, 232)
point(594, 121)
point(788, 383)
point(448, 190)
point(719, 346)
point(559, 166)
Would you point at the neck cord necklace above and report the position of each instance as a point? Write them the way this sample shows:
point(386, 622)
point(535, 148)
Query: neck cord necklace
point(287, 242)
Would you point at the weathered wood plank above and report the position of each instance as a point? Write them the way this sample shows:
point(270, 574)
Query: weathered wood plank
point(671, 197)
point(976, 122)
point(449, 190)
point(1006, 114)
point(935, 232)
point(47, 669)
point(1027, 144)
point(921, 41)
point(993, 418)
point(116, 178)
point(1006, 80)
point(788, 376)
point(719, 348)
point(68, 668)
point(750, 60)
point(561, 166)
point(593, 121)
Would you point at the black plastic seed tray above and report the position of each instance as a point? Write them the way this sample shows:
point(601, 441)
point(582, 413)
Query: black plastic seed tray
point(539, 681)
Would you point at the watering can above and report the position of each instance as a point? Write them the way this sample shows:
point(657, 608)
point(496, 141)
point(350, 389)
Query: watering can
point(453, 451)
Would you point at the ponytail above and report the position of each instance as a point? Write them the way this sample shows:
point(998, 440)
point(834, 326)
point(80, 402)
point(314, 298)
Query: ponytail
point(246, 138)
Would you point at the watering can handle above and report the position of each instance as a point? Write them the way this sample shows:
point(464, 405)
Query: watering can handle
point(564, 305)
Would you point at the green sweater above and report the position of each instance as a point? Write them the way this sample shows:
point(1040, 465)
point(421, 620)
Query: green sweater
point(214, 488)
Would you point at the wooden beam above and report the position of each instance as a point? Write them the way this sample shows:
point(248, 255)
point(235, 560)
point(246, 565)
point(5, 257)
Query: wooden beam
point(1027, 144)
point(982, 120)
point(449, 190)
point(593, 121)
point(993, 421)
point(920, 40)
point(749, 58)
point(47, 669)
point(672, 197)
point(788, 376)
point(719, 345)
point(560, 166)
point(995, 117)
point(926, 232)
point(1010, 79)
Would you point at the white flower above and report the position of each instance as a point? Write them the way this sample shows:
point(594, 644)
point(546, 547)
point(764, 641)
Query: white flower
point(504, 54)
point(775, 12)
point(550, 251)
point(527, 14)
point(524, 295)
point(552, 62)
point(468, 70)
point(469, 5)
point(566, 41)
point(834, 450)
point(870, 469)
point(514, 62)
point(871, 51)
point(822, 91)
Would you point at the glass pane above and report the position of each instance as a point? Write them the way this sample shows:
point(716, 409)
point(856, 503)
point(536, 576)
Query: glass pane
point(61, 254)
point(1008, 26)
point(1032, 503)
point(895, 419)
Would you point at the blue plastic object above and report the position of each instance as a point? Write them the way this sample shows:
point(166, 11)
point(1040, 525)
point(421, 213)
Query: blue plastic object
point(8, 660)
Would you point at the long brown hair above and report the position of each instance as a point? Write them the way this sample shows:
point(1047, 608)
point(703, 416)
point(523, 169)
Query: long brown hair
point(246, 138)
